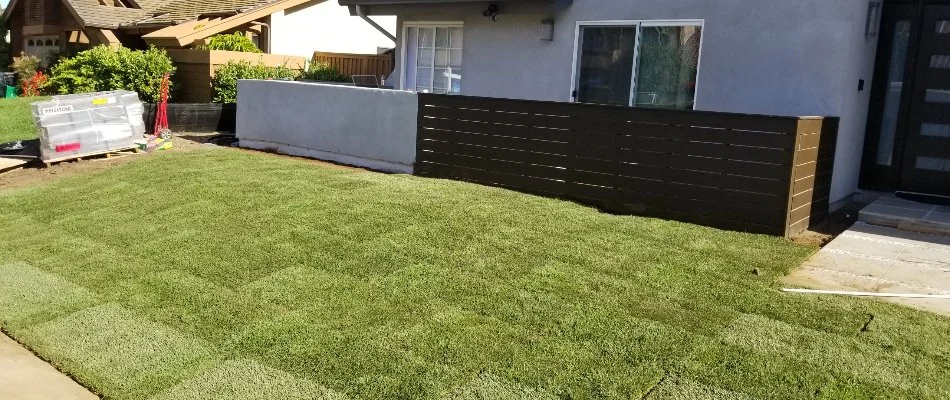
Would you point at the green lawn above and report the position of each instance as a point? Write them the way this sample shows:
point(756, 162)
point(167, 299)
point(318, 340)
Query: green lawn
point(16, 122)
point(218, 273)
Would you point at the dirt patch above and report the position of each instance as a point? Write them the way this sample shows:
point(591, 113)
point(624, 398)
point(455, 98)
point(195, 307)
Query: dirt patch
point(36, 173)
point(836, 223)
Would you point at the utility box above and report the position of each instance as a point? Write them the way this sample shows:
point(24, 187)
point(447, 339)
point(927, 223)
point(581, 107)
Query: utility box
point(79, 125)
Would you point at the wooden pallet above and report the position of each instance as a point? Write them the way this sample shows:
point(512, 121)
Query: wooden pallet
point(8, 164)
point(120, 152)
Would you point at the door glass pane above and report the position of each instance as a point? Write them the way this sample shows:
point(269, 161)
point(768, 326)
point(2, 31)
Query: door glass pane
point(943, 27)
point(455, 38)
point(667, 66)
point(895, 87)
point(427, 37)
point(940, 61)
point(933, 164)
point(938, 130)
point(606, 64)
point(442, 37)
point(426, 57)
point(937, 96)
point(412, 54)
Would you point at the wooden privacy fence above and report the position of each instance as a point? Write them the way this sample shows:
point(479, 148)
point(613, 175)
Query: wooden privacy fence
point(754, 173)
point(357, 64)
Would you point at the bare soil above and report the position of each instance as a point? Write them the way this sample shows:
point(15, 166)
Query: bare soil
point(36, 173)
point(836, 223)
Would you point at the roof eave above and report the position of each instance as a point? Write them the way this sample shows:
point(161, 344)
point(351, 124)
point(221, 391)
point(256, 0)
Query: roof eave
point(9, 10)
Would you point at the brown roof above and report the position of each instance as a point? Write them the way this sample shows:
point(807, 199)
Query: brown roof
point(91, 13)
point(156, 12)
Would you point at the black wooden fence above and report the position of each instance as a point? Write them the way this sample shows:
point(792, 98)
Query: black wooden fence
point(753, 173)
point(195, 117)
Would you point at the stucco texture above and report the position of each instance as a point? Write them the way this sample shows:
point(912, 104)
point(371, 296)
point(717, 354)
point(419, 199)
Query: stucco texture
point(372, 128)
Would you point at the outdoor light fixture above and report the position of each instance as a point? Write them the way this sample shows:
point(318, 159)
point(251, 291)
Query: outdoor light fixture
point(491, 12)
point(873, 20)
point(547, 30)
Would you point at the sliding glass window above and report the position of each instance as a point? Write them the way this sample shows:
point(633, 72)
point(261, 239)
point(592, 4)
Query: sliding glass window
point(640, 63)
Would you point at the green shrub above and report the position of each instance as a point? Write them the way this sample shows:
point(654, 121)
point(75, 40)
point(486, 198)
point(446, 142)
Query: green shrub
point(324, 72)
point(105, 68)
point(224, 83)
point(233, 42)
point(26, 66)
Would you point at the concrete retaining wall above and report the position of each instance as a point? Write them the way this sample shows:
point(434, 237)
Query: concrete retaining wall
point(373, 128)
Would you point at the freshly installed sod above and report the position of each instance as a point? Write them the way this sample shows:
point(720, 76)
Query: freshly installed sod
point(218, 273)
point(16, 121)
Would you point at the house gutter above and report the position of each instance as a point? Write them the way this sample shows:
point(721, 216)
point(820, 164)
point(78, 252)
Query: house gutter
point(362, 14)
point(266, 25)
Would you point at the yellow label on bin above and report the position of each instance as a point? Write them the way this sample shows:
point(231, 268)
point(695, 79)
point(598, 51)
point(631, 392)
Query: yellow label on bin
point(99, 101)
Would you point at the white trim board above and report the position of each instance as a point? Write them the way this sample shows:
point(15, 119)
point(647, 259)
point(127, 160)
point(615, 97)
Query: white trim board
point(636, 51)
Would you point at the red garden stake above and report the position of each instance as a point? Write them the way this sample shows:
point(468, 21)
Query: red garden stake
point(161, 116)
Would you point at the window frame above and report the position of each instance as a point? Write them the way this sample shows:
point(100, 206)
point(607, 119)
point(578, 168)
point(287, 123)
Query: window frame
point(423, 24)
point(639, 24)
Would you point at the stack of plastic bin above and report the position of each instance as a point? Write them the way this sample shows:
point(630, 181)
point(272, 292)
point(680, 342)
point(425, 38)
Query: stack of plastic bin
point(77, 125)
point(7, 85)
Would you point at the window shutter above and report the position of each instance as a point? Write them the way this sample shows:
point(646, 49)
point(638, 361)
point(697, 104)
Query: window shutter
point(35, 11)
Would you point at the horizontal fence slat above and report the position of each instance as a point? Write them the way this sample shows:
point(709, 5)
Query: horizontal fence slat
point(708, 164)
point(508, 167)
point(716, 150)
point(732, 182)
point(497, 129)
point(493, 153)
point(540, 146)
point(682, 132)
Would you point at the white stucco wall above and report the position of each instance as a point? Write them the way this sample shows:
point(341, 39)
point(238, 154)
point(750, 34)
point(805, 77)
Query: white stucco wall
point(326, 26)
point(768, 57)
point(371, 128)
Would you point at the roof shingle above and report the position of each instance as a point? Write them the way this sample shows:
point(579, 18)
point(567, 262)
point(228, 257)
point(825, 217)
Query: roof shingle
point(156, 12)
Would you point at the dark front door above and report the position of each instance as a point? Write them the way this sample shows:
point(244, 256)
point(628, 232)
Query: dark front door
point(908, 142)
point(926, 161)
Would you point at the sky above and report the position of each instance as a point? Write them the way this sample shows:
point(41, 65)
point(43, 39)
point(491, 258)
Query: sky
point(3, 3)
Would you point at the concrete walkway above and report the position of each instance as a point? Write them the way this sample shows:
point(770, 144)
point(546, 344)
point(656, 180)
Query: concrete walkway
point(907, 215)
point(23, 376)
point(872, 258)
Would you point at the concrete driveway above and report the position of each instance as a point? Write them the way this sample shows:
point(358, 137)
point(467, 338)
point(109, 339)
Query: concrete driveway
point(871, 258)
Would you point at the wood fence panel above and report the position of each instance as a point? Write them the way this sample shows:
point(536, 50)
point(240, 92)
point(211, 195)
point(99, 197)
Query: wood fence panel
point(356, 64)
point(756, 173)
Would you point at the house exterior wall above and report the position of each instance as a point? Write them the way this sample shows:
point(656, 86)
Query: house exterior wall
point(328, 27)
point(766, 57)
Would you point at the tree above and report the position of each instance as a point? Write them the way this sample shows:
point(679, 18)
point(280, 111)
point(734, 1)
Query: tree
point(4, 46)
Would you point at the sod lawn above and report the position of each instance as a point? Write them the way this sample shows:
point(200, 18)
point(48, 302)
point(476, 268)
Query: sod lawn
point(16, 122)
point(220, 273)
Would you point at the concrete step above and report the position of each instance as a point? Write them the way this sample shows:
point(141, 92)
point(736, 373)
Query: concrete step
point(894, 212)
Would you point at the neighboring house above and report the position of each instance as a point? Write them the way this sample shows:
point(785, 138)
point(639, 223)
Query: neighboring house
point(288, 27)
point(805, 57)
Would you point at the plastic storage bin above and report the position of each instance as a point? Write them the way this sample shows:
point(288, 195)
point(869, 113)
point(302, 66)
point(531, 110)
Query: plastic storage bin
point(78, 125)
